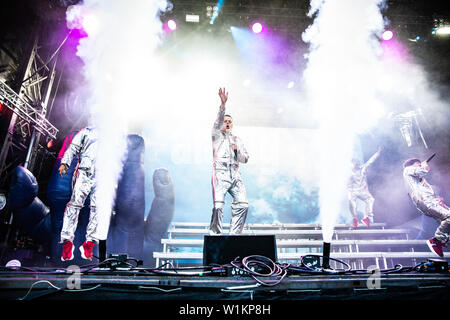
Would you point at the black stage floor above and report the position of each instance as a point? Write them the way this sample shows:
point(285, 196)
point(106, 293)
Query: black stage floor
point(110, 293)
point(124, 285)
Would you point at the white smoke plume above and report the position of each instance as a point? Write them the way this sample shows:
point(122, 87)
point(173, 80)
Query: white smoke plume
point(354, 81)
point(119, 68)
point(341, 84)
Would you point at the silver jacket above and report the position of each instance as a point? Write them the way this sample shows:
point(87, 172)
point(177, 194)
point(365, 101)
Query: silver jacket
point(83, 144)
point(223, 153)
point(358, 181)
point(418, 188)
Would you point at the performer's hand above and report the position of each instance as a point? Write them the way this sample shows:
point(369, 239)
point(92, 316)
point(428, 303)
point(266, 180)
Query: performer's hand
point(223, 97)
point(62, 170)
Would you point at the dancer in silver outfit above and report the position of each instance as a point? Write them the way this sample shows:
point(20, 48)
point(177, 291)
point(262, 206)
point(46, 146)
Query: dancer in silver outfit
point(358, 189)
point(427, 202)
point(228, 151)
point(84, 144)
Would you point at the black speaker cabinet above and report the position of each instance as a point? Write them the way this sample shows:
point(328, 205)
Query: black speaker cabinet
point(222, 249)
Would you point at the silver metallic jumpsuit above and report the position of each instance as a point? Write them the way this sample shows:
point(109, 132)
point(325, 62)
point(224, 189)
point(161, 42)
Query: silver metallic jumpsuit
point(226, 178)
point(425, 199)
point(357, 188)
point(84, 144)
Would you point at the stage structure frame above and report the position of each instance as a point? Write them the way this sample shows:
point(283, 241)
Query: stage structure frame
point(29, 98)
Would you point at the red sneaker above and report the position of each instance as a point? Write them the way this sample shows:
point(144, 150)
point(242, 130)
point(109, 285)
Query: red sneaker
point(355, 222)
point(366, 221)
point(436, 246)
point(67, 252)
point(86, 249)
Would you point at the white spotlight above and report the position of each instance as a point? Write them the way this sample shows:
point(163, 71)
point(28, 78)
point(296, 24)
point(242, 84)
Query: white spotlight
point(192, 18)
point(387, 35)
point(445, 30)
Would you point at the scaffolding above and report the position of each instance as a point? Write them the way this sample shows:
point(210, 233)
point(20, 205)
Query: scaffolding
point(26, 102)
point(28, 99)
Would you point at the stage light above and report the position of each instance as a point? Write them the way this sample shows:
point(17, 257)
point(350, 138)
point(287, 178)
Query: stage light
point(192, 18)
point(209, 10)
point(444, 30)
point(213, 12)
point(387, 35)
point(2, 201)
point(291, 84)
point(78, 18)
point(50, 144)
point(257, 27)
point(172, 25)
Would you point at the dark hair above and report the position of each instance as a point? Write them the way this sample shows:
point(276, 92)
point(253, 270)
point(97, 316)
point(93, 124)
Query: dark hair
point(227, 115)
point(410, 162)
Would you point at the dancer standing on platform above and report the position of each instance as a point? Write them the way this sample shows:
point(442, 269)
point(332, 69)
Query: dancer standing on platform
point(228, 151)
point(357, 189)
point(84, 144)
point(427, 202)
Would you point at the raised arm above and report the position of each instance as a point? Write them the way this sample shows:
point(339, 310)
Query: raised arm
point(220, 116)
point(372, 159)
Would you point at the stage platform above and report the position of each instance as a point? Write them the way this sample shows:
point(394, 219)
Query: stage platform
point(127, 285)
point(361, 247)
point(379, 263)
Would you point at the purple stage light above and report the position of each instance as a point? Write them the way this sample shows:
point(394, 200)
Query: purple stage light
point(79, 19)
point(257, 27)
point(387, 35)
point(172, 25)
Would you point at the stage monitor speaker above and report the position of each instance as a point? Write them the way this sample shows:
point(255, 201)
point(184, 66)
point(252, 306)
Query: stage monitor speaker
point(222, 249)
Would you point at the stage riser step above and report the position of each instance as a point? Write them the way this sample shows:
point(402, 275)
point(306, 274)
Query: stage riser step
point(284, 243)
point(256, 226)
point(295, 233)
point(296, 256)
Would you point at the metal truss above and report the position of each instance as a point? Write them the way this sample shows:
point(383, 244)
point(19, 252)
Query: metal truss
point(26, 112)
point(27, 97)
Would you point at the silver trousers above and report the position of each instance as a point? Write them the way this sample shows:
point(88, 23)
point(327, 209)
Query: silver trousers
point(439, 211)
point(83, 185)
point(365, 196)
point(223, 182)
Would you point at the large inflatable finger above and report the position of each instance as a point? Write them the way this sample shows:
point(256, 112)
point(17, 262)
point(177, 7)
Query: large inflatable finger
point(127, 228)
point(160, 215)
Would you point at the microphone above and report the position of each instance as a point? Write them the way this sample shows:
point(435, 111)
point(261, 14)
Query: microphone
point(429, 159)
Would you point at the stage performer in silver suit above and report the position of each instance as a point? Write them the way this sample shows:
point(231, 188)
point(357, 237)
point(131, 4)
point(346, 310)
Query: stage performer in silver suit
point(358, 189)
point(84, 144)
point(228, 151)
point(427, 202)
